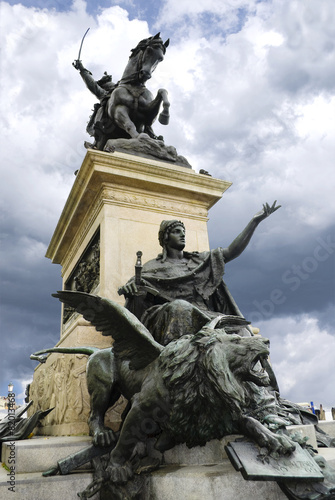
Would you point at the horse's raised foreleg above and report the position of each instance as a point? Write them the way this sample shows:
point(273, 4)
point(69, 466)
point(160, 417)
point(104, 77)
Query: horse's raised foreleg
point(152, 111)
point(164, 116)
point(151, 108)
point(122, 120)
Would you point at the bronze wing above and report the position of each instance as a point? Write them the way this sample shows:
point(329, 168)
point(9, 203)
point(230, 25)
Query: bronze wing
point(132, 341)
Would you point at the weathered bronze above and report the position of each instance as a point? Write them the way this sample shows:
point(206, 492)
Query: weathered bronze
point(86, 274)
point(198, 387)
point(15, 427)
point(246, 457)
point(180, 292)
point(127, 108)
point(186, 288)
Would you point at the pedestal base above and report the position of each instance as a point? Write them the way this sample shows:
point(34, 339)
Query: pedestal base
point(211, 482)
point(189, 474)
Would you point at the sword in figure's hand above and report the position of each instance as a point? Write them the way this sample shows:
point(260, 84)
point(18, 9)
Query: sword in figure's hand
point(138, 268)
point(77, 63)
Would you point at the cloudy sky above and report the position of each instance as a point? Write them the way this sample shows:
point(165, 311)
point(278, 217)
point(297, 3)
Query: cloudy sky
point(252, 90)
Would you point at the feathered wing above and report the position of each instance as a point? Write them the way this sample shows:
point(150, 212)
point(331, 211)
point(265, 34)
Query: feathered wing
point(132, 341)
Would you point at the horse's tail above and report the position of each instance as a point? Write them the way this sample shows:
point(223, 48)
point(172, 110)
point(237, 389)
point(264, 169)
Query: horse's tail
point(88, 350)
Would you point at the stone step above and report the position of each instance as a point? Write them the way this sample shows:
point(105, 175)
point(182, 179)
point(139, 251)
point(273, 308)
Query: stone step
point(327, 426)
point(214, 452)
point(210, 482)
point(171, 482)
point(41, 453)
point(328, 454)
point(34, 486)
point(201, 473)
point(304, 431)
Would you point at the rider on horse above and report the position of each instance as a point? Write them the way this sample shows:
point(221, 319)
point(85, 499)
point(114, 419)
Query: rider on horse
point(102, 89)
point(133, 110)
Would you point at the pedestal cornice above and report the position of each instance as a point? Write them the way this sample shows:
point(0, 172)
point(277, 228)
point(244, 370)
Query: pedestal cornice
point(133, 181)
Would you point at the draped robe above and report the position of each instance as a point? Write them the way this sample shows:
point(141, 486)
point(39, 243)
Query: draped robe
point(189, 292)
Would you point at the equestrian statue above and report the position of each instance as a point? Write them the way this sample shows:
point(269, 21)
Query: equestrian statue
point(127, 109)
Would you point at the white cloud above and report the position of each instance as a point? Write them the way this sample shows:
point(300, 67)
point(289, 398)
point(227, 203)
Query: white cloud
point(303, 358)
point(174, 11)
point(244, 125)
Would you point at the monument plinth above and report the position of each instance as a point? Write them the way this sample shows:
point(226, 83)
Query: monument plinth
point(114, 209)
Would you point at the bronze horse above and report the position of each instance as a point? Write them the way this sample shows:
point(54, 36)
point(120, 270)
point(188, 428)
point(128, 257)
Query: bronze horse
point(130, 108)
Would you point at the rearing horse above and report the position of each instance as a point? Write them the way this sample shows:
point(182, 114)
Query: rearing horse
point(131, 106)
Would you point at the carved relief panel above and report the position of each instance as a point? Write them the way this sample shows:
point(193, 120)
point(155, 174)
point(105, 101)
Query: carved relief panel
point(85, 276)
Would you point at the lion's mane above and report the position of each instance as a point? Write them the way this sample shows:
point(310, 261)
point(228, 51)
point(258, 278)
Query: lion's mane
point(205, 395)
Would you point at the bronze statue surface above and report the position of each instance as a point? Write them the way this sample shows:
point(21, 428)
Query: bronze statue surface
point(127, 109)
point(198, 387)
point(177, 281)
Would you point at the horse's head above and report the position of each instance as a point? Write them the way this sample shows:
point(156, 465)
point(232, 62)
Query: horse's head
point(144, 58)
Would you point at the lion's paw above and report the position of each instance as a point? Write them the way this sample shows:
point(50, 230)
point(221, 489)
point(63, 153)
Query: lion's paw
point(104, 437)
point(280, 444)
point(119, 474)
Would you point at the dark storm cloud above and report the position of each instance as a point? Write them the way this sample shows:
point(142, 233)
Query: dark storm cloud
point(286, 279)
point(29, 315)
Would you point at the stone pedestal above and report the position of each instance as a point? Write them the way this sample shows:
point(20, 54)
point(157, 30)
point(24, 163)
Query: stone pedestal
point(188, 474)
point(114, 209)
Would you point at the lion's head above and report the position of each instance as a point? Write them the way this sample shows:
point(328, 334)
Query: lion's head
point(244, 356)
point(206, 376)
